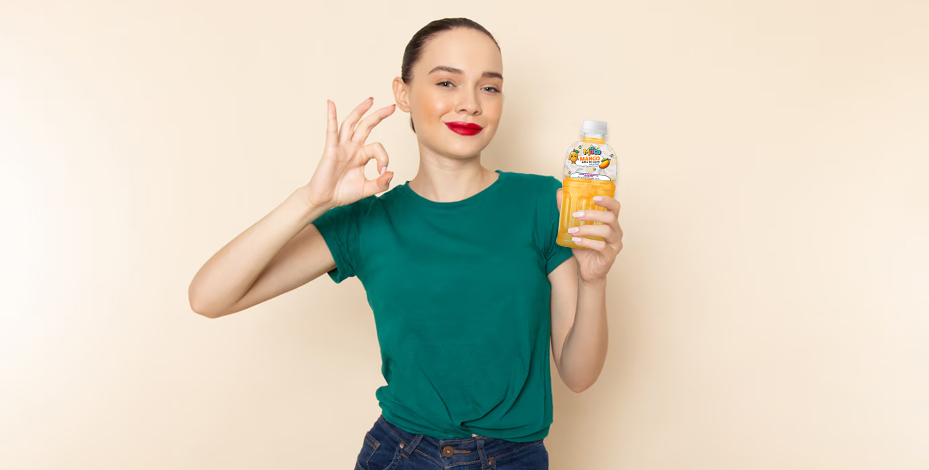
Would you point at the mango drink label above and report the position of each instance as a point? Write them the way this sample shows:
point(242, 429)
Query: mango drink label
point(590, 161)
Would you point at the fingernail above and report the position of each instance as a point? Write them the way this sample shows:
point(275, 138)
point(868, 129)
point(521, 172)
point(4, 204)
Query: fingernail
point(572, 230)
point(383, 170)
point(371, 98)
point(576, 239)
point(388, 179)
point(578, 214)
point(598, 198)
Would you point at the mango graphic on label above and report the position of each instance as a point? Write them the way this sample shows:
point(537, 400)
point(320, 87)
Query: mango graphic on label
point(604, 163)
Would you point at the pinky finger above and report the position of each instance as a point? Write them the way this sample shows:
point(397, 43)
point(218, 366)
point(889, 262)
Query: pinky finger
point(596, 245)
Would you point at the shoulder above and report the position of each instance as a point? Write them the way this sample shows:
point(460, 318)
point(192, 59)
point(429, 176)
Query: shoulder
point(541, 183)
point(348, 215)
point(538, 192)
point(365, 205)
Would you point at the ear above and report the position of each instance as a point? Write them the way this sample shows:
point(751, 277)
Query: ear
point(401, 94)
point(558, 198)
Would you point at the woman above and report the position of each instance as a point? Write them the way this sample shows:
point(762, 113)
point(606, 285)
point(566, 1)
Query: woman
point(460, 267)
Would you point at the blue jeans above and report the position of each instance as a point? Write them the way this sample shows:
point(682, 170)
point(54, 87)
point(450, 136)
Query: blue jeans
point(387, 447)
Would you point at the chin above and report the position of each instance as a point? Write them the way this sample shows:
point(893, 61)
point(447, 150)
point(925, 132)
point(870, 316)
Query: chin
point(464, 151)
point(461, 147)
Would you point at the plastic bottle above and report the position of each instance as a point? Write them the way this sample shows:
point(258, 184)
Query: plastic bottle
point(590, 170)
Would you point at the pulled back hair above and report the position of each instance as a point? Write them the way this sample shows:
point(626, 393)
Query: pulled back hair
point(414, 49)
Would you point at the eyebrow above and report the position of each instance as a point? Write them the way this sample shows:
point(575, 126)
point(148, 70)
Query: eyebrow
point(445, 68)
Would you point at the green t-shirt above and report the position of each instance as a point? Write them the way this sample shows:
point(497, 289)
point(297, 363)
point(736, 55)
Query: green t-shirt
point(461, 302)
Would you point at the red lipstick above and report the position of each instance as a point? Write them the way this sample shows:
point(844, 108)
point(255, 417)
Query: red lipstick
point(464, 128)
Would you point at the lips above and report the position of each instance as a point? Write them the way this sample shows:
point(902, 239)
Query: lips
point(464, 128)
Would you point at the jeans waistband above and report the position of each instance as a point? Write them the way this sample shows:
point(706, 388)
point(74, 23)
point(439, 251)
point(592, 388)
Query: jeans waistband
point(472, 449)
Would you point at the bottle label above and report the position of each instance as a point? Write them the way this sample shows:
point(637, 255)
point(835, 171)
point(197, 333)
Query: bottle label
point(590, 161)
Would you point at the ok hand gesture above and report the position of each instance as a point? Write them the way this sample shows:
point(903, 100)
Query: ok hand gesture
point(339, 178)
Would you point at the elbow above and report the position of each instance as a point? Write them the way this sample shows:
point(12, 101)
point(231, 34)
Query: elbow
point(205, 314)
point(197, 305)
point(579, 387)
point(199, 310)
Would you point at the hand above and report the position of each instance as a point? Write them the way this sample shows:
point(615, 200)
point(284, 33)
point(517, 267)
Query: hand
point(339, 178)
point(597, 259)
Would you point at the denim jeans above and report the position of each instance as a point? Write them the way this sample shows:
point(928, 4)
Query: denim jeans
point(387, 447)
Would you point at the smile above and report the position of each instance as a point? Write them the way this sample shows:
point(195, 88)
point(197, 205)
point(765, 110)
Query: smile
point(464, 128)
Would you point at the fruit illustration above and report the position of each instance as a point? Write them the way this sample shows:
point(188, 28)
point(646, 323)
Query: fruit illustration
point(573, 157)
point(605, 163)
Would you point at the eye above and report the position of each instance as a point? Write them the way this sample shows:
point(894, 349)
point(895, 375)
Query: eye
point(446, 81)
point(492, 88)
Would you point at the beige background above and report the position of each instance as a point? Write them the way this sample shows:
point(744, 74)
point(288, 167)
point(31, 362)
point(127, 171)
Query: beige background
point(769, 310)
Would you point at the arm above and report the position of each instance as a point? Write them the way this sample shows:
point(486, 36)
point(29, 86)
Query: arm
point(579, 326)
point(279, 253)
point(284, 250)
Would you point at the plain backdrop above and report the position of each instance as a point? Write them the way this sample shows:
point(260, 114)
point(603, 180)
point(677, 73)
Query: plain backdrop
point(768, 311)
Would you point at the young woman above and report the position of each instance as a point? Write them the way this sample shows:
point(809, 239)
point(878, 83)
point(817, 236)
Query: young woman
point(460, 267)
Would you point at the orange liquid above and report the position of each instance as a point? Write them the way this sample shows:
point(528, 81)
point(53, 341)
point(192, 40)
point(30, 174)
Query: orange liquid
point(578, 195)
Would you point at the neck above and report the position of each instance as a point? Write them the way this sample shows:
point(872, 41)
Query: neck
point(445, 179)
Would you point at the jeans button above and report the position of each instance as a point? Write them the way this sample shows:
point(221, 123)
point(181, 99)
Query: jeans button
point(448, 451)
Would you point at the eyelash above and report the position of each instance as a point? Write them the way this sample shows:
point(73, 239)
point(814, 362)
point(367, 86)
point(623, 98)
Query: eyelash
point(446, 81)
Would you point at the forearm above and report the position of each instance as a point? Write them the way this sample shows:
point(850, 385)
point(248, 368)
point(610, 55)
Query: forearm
point(228, 274)
point(584, 351)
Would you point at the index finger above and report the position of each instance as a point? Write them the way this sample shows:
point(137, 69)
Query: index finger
point(364, 127)
point(608, 202)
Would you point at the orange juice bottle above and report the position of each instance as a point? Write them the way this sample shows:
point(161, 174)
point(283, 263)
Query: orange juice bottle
point(589, 170)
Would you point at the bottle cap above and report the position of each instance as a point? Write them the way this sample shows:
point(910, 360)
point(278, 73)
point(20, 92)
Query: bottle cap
point(593, 129)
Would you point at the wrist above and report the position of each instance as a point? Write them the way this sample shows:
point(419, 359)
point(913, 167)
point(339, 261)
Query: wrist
point(596, 283)
point(310, 207)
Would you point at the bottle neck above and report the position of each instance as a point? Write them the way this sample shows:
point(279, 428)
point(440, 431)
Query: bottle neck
point(592, 140)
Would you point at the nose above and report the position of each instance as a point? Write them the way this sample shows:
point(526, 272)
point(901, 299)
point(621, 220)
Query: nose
point(469, 103)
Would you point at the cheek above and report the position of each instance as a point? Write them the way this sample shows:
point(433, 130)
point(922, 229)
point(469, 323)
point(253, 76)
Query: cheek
point(493, 108)
point(434, 103)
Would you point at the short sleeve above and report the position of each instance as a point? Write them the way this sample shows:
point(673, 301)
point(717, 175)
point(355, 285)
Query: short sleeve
point(555, 254)
point(341, 229)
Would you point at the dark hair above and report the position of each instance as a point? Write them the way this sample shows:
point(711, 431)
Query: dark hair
point(414, 49)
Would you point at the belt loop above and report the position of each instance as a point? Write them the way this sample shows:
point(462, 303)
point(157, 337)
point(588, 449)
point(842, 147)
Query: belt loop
point(407, 450)
point(485, 462)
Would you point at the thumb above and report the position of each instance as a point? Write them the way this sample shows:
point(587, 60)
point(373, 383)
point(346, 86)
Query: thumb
point(558, 198)
point(379, 184)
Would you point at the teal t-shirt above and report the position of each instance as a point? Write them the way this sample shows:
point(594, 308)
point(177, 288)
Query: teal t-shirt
point(461, 302)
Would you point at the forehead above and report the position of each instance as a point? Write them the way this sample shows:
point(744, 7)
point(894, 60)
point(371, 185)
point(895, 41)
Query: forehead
point(469, 50)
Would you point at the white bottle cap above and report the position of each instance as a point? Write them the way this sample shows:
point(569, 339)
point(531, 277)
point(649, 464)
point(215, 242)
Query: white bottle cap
point(593, 129)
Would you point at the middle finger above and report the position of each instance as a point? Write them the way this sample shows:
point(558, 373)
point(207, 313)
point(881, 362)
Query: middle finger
point(348, 125)
point(603, 231)
point(605, 216)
